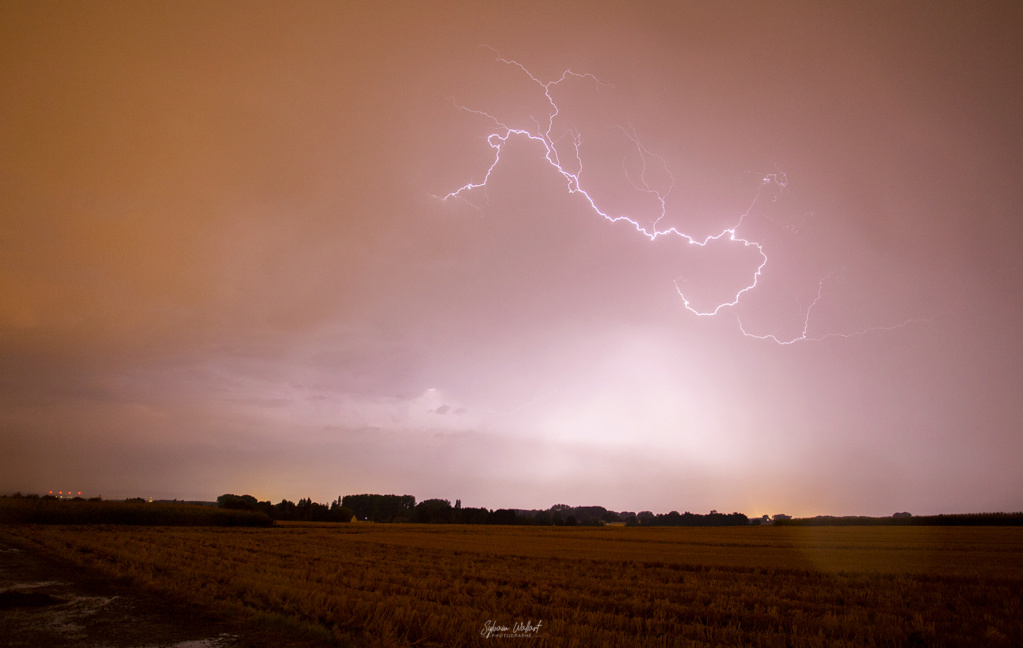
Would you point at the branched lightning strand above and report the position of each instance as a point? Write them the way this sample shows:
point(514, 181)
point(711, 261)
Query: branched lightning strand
point(573, 158)
point(804, 335)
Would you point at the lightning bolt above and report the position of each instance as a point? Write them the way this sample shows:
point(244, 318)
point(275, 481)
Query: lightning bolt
point(567, 161)
point(804, 335)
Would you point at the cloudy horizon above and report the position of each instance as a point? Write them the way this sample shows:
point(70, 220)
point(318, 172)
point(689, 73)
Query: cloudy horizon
point(226, 262)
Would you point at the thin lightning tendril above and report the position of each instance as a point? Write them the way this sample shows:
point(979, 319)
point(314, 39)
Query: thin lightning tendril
point(553, 155)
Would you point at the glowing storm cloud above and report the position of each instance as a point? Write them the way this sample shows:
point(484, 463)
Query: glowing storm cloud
point(569, 165)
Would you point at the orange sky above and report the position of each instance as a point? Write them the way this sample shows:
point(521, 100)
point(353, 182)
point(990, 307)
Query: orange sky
point(224, 266)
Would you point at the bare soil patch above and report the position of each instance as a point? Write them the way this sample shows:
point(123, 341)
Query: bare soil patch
point(45, 601)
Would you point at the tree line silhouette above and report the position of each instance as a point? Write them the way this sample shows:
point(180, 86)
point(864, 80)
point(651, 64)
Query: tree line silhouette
point(247, 510)
point(905, 519)
point(404, 508)
point(305, 510)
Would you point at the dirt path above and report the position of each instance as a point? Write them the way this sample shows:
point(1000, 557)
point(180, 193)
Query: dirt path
point(47, 602)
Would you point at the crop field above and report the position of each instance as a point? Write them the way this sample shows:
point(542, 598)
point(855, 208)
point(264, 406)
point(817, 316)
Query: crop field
point(450, 585)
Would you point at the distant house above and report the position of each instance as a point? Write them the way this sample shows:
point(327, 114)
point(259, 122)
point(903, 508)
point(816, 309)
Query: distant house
point(617, 524)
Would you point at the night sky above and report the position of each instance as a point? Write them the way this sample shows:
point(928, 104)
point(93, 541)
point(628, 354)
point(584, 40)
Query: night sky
point(227, 263)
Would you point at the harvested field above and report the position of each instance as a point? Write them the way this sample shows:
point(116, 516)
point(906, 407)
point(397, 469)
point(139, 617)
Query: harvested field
point(403, 585)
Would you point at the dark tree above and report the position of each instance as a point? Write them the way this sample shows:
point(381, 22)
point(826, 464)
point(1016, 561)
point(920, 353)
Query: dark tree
point(471, 515)
point(434, 511)
point(284, 511)
point(503, 516)
point(381, 508)
point(339, 513)
point(237, 502)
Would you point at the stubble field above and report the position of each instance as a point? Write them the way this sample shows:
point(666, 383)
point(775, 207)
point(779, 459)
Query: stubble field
point(422, 585)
